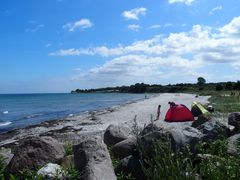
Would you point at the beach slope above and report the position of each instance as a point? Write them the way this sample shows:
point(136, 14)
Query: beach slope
point(78, 127)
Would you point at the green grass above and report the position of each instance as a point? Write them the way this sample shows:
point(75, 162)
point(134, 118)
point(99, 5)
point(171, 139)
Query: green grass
point(166, 164)
point(115, 161)
point(225, 104)
point(68, 148)
point(2, 167)
point(72, 173)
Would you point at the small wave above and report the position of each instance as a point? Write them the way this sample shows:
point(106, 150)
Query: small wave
point(70, 115)
point(32, 116)
point(5, 123)
point(5, 112)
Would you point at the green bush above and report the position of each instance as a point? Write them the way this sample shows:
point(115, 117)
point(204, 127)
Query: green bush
point(2, 167)
point(215, 162)
point(72, 173)
point(68, 148)
point(165, 164)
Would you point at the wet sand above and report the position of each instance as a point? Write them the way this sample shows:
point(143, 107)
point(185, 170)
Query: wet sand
point(78, 127)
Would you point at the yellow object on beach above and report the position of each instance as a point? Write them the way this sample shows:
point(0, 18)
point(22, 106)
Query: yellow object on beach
point(198, 109)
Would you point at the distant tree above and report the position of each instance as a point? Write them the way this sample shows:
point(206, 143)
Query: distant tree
point(201, 81)
point(219, 87)
point(78, 90)
point(138, 88)
point(237, 86)
point(229, 86)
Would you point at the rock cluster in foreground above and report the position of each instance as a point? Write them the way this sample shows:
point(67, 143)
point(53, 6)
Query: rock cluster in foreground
point(91, 156)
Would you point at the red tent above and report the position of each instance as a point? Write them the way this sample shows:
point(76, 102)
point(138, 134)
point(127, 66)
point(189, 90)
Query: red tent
point(178, 113)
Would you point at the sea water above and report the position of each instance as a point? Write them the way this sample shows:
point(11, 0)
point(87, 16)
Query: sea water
point(21, 110)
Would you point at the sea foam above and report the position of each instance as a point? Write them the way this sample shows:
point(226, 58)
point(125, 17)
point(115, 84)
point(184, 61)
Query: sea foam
point(5, 112)
point(5, 123)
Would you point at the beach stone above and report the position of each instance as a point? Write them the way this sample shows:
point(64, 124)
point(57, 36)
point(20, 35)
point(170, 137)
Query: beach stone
point(68, 161)
point(213, 130)
point(51, 171)
point(124, 148)
point(93, 161)
point(234, 145)
point(35, 152)
point(115, 134)
point(6, 154)
point(150, 128)
point(130, 165)
point(234, 120)
point(177, 138)
point(200, 120)
point(147, 143)
point(187, 136)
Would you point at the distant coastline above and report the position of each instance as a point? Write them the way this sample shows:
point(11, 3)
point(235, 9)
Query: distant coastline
point(170, 88)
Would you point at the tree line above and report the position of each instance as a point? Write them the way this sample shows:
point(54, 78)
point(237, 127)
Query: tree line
point(200, 85)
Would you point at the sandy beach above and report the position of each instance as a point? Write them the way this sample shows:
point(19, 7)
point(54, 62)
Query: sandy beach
point(78, 127)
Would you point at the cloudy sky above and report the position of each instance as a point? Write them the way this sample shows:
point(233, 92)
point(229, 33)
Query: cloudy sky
point(60, 45)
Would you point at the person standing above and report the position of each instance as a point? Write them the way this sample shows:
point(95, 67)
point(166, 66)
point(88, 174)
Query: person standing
point(158, 112)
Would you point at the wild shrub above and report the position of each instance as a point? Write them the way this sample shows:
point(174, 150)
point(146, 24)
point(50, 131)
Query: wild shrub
point(68, 148)
point(211, 162)
point(2, 167)
point(166, 164)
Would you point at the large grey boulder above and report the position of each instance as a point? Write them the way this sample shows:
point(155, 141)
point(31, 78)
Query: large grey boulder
point(124, 148)
point(213, 130)
point(234, 120)
point(115, 134)
point(177, 138)
point(147, 143)
point(35, 152)
point(130, 165)
point(234, 145)
point(51, 171)
point(93, 161)
point(187, 136)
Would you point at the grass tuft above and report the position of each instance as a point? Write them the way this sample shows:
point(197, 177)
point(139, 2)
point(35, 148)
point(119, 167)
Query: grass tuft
point(68, 148)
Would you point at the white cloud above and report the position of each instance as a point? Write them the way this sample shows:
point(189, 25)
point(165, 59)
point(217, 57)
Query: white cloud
point(77, 69)
point(134, 27)
point(72, 52)
point(135, 13)
point(80, 24)
point(168, 25)
point(187, 2)
point(48, 45)
point(34, 27)
point(155, 26)
point(138, 68)
point(179, 55)
point(218, 8)
point(233, 28)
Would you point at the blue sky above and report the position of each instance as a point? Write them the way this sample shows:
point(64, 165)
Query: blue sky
point(60, 45)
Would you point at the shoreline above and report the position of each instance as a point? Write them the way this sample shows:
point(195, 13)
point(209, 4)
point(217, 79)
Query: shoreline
point(79, 126)
point(9, 124)
point(52, 121)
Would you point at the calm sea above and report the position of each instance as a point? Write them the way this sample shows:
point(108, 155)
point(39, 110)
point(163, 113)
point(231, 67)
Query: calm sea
point(21, 110)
